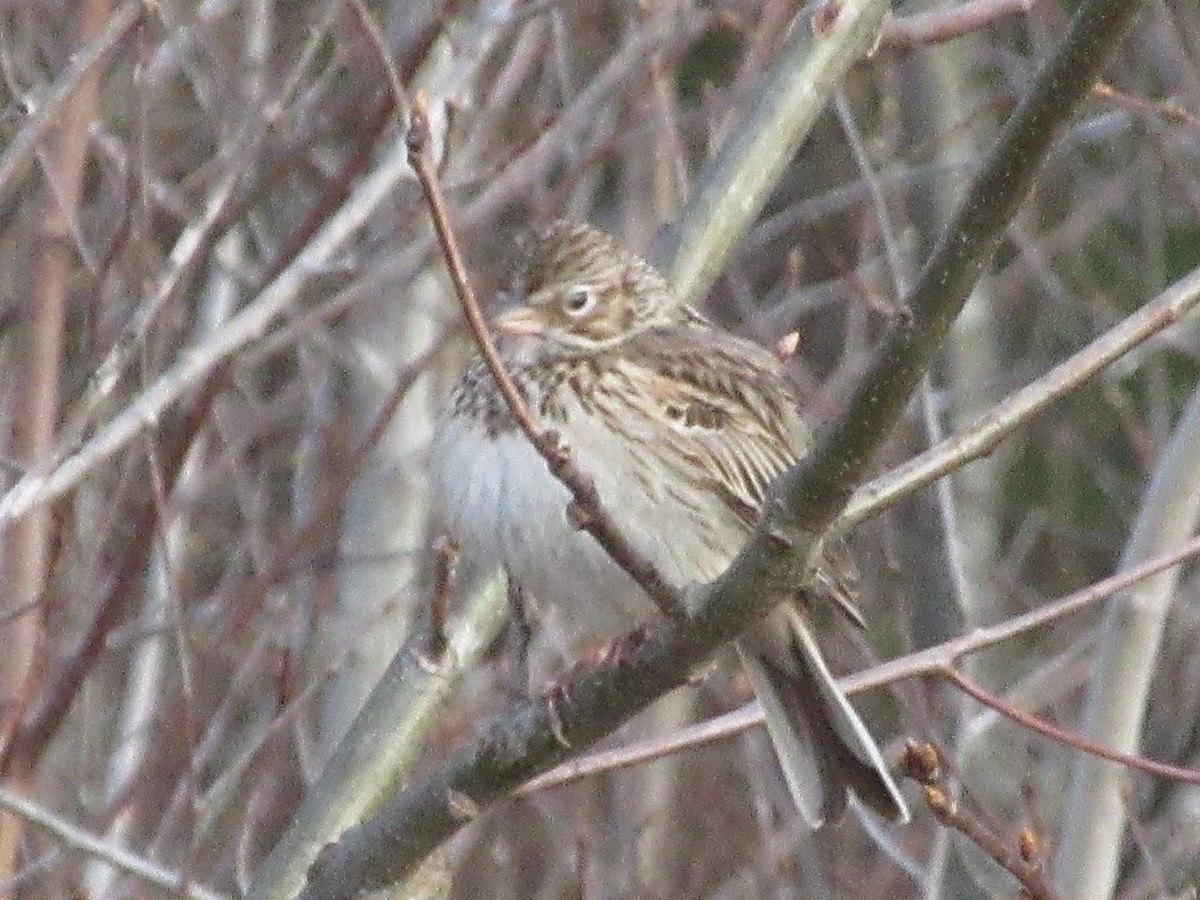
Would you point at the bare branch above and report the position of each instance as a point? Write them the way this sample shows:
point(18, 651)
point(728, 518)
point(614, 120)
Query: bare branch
point(1063, 736)
point(590, 513)
point(77, 838)
point(922, 765)
point(928, 662)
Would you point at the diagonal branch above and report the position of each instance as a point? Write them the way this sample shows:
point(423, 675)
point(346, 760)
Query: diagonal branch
point(588, 510)
point(929, 661)
point(177, 884)
point(1021, 859)
point(817, 489)
point(1063, 736)
point(984, 434)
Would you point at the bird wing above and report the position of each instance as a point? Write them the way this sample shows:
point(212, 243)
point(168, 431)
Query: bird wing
point(727, 406)
point(732, 414)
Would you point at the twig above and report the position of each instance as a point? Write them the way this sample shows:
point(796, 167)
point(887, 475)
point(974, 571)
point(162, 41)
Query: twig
point(1167, 111)
point(923, 765)
point(949, 653)
point(21, 148)
point(118, 857)
point(418, 157)
point(284, 561)
point(1063, 736)
point(950, 813)
point(195, 240)
point(984, 434)
point(590, 514)
point(930, 661)
point(919, 29)
point(70, 671)
point(375, 36)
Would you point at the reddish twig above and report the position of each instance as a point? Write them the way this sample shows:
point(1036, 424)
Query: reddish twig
point(922, 763)
point(1166, 111)
point(588, 512)
point(1054, 732)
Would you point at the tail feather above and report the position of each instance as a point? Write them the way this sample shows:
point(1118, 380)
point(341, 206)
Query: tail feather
point(824, 748)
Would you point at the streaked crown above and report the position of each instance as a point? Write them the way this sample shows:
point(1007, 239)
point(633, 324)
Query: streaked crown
point(580, 288)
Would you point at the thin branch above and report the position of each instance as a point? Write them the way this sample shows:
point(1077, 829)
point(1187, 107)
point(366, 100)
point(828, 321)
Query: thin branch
point(930, 661)
point(189, 250)
point(118, 857)
point(983, 435)
point(951, 814)
point(21, 148)
point(589, 513)
point(1166, 111)
point(786, 105)
point(922, 763)
point(938, 25)
point(418, 157)
point(1063, 736)
point(383, 54)
point(949, 653)
point(70, 672)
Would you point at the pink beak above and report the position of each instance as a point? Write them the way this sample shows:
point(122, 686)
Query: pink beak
point(521, 321)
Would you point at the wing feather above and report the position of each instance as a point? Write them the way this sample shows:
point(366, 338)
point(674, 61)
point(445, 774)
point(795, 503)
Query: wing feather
point(728, 405)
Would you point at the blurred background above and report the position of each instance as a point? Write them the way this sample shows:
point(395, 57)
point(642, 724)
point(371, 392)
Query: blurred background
point(190, 625)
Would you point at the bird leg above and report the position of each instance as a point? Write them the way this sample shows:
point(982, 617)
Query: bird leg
point(518, 635)
point(445, 560)
point(621, 647)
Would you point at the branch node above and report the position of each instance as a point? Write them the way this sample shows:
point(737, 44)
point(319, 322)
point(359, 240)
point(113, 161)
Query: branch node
point(554, 697)
point(462, 807)
point(416, 138)
point(921, 762)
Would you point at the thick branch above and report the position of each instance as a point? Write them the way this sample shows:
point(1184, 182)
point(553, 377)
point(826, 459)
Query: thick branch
point(817, 489)
point(929, 661)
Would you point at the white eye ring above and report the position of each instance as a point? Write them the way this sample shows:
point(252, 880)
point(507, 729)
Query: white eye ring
point(578, 300)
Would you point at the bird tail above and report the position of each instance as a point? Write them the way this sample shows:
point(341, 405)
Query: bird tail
point(823, 747)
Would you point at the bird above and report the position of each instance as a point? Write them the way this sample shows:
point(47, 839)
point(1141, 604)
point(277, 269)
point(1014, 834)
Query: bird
point(681, 426)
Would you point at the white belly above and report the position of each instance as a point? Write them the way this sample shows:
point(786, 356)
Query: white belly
point(497, 498)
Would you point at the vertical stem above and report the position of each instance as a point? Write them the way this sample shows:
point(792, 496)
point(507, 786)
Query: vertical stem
point(26, 542)
point(1090, 846)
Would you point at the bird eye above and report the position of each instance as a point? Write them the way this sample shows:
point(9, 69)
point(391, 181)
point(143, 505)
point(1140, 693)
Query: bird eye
point(578, 300)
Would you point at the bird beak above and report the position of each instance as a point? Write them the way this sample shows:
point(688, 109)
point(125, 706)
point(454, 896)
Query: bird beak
point(521, 321)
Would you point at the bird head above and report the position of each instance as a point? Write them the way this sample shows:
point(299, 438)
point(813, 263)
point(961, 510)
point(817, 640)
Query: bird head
point(579, 288)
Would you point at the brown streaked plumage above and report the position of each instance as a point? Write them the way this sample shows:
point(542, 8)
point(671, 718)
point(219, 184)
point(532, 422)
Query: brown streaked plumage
point(681, 426)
